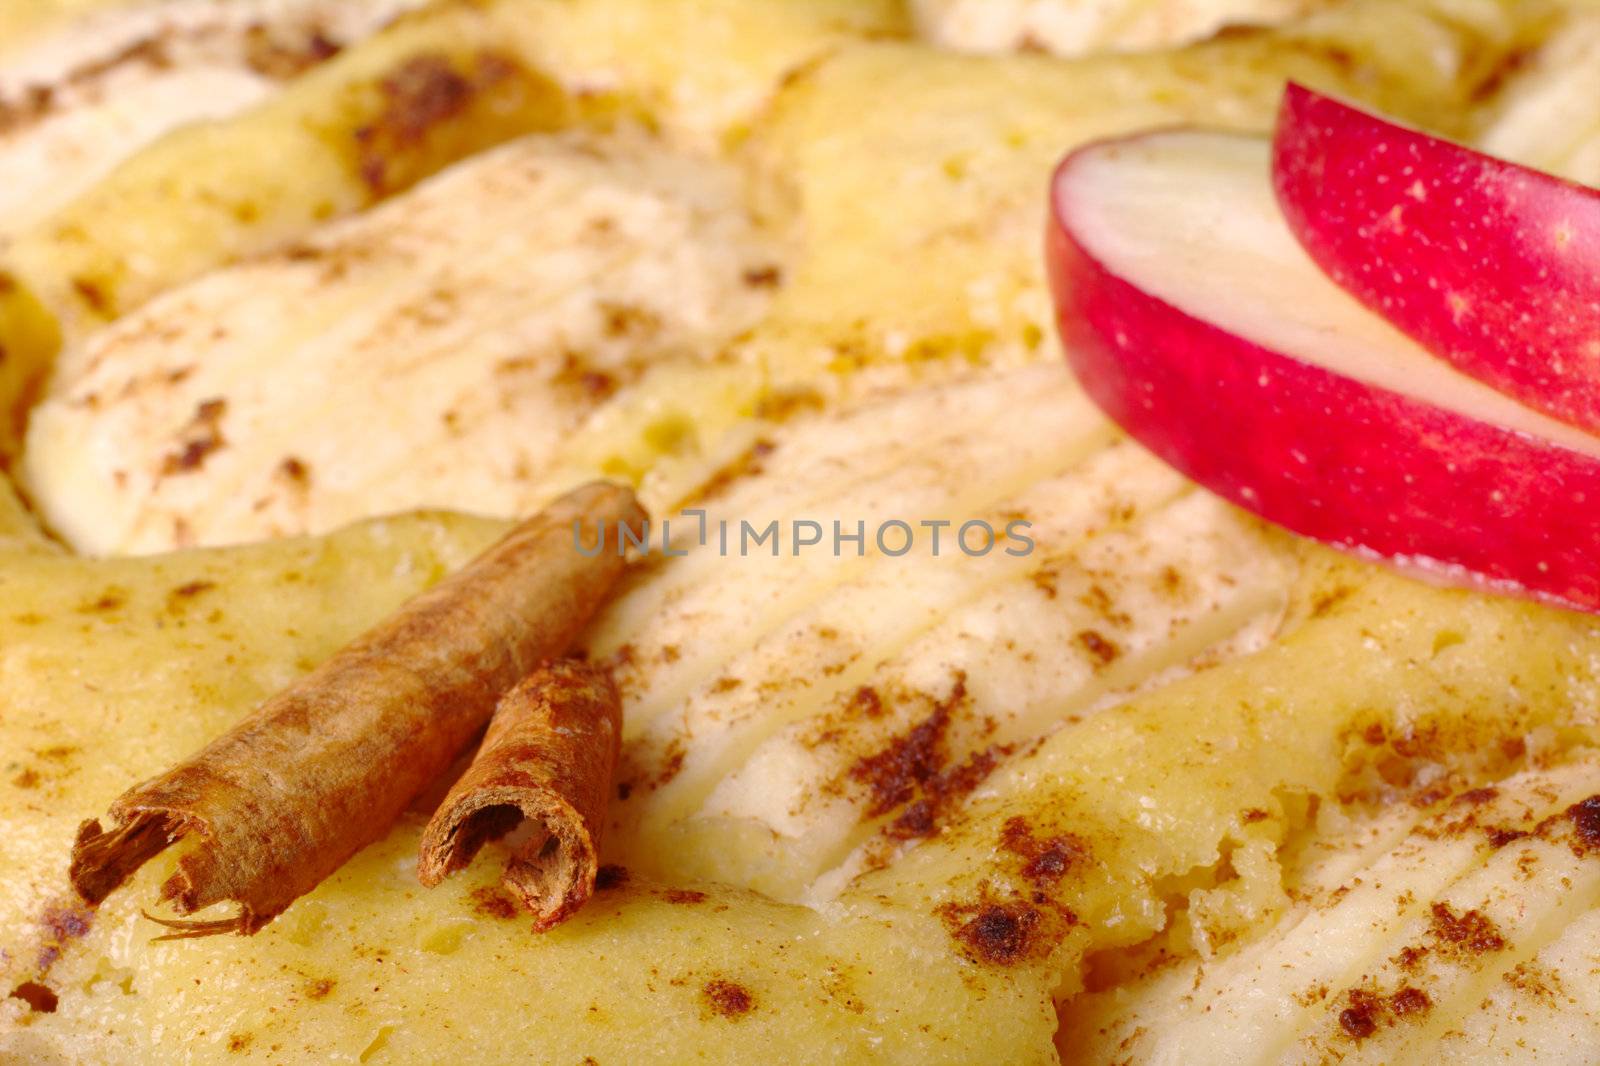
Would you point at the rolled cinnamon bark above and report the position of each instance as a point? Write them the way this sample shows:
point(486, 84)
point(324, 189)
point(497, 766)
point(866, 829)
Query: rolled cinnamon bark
point(548, 759)
point(324, 768)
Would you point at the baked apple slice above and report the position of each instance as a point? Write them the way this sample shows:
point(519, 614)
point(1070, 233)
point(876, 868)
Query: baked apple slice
point(1198, 323)
point(1490, 265)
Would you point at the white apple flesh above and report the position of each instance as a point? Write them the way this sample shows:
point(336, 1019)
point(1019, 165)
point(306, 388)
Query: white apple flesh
point(1492, 266)
point(1195, 320)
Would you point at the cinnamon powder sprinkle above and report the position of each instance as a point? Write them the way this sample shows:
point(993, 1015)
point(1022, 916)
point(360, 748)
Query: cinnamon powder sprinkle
point(1000, 933)
point(893, 774)
point(1359, 1020)
point(683, 896)
point(1585, 817)
point(1469, 931)
point(1004, 930)
point(1045, 861)
point(728, 999)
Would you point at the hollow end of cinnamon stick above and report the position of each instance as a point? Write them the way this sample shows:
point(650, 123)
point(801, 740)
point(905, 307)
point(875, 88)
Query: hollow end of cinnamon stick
point(552, 873)
point(547, 763)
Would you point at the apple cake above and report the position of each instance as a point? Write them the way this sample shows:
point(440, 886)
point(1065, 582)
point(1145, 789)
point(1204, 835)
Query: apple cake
point(302, 303)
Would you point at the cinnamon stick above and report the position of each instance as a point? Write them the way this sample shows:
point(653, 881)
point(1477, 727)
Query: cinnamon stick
point(547, 759)
point(324, 768)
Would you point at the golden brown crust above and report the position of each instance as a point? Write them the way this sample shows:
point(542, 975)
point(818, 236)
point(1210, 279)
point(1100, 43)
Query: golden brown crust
point(325, 767)
point(548, 758)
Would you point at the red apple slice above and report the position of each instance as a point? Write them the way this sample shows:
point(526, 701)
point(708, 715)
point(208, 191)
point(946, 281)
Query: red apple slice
point(1490, 265)
point(1195, 320)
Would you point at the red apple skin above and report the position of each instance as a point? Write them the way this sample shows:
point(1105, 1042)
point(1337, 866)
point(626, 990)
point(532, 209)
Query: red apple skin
point(1326, 456)
point(1491, 266)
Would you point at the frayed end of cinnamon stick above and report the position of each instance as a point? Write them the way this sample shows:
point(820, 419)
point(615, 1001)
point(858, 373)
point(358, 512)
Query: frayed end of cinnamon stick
point(103, 860)
point(193, 930)
point(547, 760)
